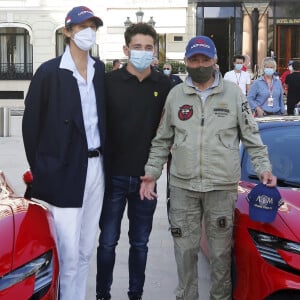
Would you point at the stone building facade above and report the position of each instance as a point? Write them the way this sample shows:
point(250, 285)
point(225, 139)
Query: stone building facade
point(30, 32)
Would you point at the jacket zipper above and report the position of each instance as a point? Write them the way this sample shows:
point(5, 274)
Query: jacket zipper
point(201, 142)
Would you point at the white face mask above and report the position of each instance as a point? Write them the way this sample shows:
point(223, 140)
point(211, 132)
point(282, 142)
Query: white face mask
point(85, 39)
point(290, 68)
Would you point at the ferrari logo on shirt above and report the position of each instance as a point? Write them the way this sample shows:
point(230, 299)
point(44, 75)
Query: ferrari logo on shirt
point(155, 94)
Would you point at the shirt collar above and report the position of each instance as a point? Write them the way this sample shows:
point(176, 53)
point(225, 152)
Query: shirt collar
point(154, 75)
point(67, 61)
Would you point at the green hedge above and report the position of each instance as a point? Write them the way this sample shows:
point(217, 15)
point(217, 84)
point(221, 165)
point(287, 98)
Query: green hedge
point(108, 66)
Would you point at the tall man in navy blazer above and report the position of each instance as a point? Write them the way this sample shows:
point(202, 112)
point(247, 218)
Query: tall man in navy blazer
point(64, 134)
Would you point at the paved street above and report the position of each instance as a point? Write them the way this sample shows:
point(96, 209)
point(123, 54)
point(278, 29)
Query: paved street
point(161, 278)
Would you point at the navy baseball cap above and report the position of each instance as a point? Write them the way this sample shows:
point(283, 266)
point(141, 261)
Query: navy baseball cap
point(201, 45)
point(80, 14)
point(290, 62)
point(264, 202)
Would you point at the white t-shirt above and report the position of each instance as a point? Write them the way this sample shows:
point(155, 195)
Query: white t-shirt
point(241, 79)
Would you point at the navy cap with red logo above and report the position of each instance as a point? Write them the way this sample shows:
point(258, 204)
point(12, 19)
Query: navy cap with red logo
point(80, 14)
point(201, 45)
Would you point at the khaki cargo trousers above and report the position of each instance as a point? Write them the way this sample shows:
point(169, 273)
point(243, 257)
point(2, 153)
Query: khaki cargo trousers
point(187, 212)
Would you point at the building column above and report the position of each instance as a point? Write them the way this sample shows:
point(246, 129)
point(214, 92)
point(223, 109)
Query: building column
point(247, 36)
point(262, 47)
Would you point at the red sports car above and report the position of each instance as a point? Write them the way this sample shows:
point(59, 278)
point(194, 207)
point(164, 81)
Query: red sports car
point(28, 255)
point(266, 262)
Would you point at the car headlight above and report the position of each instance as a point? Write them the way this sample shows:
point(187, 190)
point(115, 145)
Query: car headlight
point(268, 244)
point(41, 268)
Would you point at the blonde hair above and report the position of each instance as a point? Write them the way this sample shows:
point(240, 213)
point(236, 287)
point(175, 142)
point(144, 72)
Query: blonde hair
point(267, 61)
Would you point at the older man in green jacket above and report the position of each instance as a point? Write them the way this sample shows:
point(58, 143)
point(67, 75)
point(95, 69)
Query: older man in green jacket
point(203, 122)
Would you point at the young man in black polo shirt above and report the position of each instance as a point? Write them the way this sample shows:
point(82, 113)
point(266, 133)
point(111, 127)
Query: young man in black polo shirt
point(135, 98)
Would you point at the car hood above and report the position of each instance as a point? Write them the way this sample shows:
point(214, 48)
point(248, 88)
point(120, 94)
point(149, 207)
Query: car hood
point(7, 237)
point(12, 207)
point(288, 213)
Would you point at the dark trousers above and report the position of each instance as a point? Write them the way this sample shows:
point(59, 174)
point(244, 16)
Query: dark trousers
point(122, 190)
point(291, 103)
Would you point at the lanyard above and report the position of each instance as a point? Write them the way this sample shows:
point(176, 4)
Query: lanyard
point(238, 78)
point(270, 87)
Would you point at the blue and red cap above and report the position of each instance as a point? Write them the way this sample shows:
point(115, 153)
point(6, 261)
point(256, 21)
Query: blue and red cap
point(80, 14)
point(201, 45)
point(264, 202)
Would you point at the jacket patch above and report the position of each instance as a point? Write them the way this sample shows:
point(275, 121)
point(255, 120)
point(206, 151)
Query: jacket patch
point(245, 108)
point(221, 110)
point(185, 112)
point(222, 222)
point(176, 232)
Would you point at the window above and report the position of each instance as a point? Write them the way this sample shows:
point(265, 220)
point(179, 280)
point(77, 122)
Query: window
point(60, 44)
point(11, 94)
point(178, 38)
point(15, 54)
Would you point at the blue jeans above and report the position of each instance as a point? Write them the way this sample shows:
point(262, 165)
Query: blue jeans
point(122, 190)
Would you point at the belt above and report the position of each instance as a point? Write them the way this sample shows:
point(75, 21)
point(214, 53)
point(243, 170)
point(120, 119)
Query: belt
point(95, 152)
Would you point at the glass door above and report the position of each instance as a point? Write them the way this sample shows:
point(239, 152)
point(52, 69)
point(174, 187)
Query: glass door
point(288, 45)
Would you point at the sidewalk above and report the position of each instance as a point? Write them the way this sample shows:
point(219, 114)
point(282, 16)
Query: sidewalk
point(161, 277)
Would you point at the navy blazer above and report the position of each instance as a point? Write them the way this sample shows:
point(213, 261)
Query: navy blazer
point(54, 134)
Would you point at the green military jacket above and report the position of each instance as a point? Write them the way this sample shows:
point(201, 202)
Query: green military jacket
point(204, 139)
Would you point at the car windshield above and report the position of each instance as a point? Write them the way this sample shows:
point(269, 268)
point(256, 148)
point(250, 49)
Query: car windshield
point(284, 147)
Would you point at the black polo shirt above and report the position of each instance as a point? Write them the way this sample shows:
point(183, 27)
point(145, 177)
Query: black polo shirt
point(133, 112)
point(293, 82)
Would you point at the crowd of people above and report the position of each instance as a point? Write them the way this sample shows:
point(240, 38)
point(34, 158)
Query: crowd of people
point(92, 156)
point(166, 70)
point(267, 94)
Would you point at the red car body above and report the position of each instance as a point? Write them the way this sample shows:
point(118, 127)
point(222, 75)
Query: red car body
point(28, 256)
point(266, 256)
point(258, 277)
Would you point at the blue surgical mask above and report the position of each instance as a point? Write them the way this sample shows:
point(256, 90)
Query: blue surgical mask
point(140, 59)
point(269, 71)
point(167, 72)
point(238, 67)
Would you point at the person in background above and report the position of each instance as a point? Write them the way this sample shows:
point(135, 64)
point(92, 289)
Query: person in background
point(237, 75)
point(265, 95)
point(284, 75)
point(64, 133)
point(203, 121)
point(136, 95)
point(292, 83)
point(155, 64)
point(116, 64)
point(174, 79)
point(247, 63)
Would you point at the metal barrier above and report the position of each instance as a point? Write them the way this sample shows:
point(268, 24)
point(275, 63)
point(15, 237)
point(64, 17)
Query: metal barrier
point(4, 122)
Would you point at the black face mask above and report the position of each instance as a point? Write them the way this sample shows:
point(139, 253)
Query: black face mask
point(201, 74)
